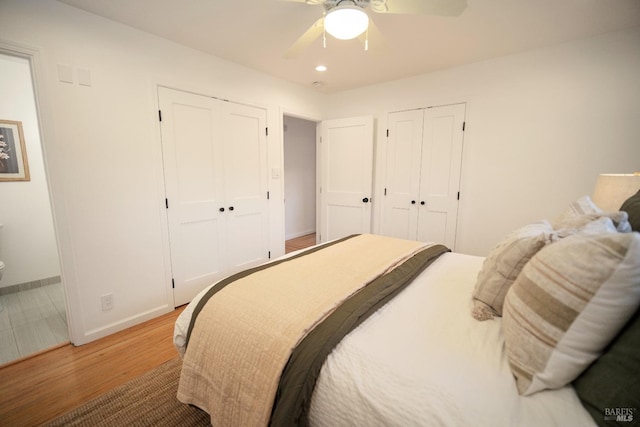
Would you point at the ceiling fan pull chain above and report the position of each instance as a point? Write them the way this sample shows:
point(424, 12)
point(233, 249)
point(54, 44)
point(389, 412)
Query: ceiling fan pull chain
point(324, 39)
point(366, 40)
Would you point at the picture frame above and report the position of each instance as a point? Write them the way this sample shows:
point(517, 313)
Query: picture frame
point(14, 165)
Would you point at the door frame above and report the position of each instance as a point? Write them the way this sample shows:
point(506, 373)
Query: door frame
point(60, 218)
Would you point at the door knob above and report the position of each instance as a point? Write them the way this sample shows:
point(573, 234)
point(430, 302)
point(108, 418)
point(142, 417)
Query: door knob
point(366, 199)
point(221, 209)
point(230, 208)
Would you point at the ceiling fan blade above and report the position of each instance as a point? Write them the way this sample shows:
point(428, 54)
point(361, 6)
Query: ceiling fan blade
point(306, 39)
point(420, 7)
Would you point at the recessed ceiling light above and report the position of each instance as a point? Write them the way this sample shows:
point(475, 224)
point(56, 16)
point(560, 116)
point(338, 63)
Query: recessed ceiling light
point(321, 68)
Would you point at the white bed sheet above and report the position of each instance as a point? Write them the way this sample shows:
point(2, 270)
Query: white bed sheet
point(422, 360)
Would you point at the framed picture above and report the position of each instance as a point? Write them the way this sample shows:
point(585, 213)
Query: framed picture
point(13, 152)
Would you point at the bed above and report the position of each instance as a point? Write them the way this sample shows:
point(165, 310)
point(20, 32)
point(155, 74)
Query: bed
point(434, 351)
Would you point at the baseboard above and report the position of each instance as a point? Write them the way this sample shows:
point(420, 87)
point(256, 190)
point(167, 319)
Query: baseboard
point(12, 289)
point(112, 328)
point(299, 234)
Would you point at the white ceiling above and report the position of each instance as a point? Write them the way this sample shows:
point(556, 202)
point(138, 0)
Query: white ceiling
point(257, 33)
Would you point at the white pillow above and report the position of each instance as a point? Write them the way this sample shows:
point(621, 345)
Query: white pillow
point(583, 211)
point(503, 265)
point(568, 303)
point(603, 224)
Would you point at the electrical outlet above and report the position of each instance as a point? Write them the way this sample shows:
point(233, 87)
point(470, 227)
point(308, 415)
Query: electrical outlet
point(107, 302)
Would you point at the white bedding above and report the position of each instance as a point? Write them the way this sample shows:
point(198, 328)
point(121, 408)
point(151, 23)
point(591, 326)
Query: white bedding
point(422, 360)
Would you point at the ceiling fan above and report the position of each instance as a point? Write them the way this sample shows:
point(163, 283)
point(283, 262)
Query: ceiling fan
point(348, 19)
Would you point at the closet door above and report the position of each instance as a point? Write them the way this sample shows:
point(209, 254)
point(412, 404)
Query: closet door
point(402, 183)
point(215, 165)
point(440, 174)
point(193, 160)
point(423, 163)
point(245, 183)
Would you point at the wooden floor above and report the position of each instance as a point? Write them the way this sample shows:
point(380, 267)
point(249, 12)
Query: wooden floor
point(300, 242)
point(45, 386)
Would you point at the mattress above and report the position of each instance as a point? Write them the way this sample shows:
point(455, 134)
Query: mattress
point(423, 360)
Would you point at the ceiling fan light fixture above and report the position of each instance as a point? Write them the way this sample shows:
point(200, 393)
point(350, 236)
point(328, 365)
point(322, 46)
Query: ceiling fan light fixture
point(346, 22)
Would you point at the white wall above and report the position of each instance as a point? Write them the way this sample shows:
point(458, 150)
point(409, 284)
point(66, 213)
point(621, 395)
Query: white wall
point(102, 145)
point(28, 246)
point(300, 176)
point(541, 126)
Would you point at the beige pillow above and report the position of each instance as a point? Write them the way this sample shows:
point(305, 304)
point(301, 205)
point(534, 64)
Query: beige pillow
point(503, 265)
point(583, 211)
point(568, 303)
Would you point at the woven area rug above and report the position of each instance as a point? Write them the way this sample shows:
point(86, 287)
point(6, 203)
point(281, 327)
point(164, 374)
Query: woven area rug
point(149, 400)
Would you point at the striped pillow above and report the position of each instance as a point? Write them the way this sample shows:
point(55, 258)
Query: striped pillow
point(503, 265)
point(570, 300)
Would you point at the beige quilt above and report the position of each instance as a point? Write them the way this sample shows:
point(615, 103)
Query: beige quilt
point(244, 335)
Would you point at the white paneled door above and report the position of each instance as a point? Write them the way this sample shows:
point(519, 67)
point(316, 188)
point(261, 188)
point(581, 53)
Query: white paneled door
point(214, 155)
point(440, 175)
point(424, 161)
point(346, 175)
point(402, 184)
point(245, 180)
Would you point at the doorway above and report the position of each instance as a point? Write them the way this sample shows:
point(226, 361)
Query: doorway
point(299, 181)
point(32, 305)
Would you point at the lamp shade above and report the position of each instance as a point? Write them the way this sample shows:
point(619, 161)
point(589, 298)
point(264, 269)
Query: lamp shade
point(346, 22)
point(612, 189)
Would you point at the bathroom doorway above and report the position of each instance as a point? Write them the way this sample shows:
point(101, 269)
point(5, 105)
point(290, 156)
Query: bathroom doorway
point(32, 304)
